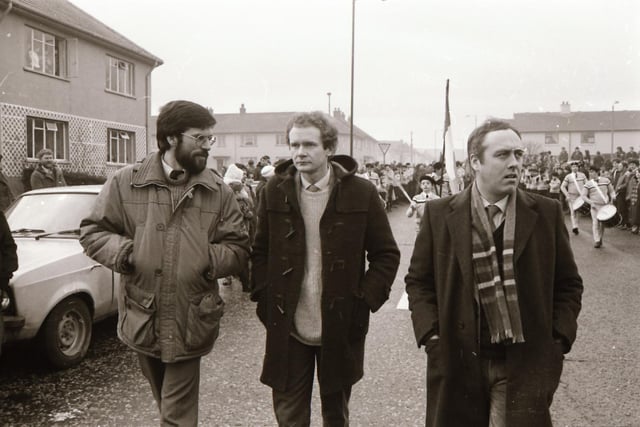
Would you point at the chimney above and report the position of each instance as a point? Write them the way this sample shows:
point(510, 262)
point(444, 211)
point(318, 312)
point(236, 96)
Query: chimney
point(242, 109)
point(565, 107)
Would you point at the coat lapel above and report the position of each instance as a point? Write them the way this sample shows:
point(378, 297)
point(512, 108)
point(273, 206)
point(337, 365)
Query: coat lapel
point(459, 224)
point(526, 218)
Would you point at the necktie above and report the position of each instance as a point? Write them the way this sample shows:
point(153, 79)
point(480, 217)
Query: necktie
point(175, 174)
point(492, 211)
point(313, 188)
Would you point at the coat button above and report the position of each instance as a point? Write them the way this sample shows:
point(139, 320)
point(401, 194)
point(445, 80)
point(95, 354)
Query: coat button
point(160, 227)
point(460, 324)
point(158, 272)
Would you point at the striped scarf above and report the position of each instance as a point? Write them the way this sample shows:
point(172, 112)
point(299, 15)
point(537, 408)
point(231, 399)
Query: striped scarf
point(498, 295)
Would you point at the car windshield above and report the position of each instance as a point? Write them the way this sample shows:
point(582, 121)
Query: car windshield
point(49, 213)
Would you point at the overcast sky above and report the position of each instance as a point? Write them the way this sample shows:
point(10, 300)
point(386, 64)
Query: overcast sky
point(502, 57)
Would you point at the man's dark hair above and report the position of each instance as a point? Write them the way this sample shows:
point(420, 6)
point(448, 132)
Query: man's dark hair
point(317, 119)
point(595, 169)
point(43, 153)
point(475, 143)
point(634, 161)
point(177, 116)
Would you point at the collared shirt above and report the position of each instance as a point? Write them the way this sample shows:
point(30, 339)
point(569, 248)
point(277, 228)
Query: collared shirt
point(166, 167)
point(501, 204)
point(322, 184)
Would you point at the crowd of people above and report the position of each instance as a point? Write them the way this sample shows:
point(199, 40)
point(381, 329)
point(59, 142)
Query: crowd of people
point(312, 244)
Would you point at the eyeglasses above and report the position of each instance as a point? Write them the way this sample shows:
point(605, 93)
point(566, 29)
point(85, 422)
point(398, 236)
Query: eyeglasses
point(202, 139)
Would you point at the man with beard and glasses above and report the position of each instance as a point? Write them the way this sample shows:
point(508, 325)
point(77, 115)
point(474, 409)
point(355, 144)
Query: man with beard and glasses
point(494, 293)
point(171, 227)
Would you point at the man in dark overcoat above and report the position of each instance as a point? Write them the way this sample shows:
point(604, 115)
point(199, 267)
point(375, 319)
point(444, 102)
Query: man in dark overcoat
point(494, 293)
point(324, 257)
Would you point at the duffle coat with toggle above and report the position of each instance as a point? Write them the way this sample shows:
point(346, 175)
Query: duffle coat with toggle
point(169, 306)
point(354, 229)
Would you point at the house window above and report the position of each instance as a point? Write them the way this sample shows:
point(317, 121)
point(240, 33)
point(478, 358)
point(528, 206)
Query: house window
point(45, 133)
point(249, 140)
point(121, 146)
point(46, 53)
point(221, 141)
point(588, 138)
point(550, 138)
point(281, 139)
point(119, 76)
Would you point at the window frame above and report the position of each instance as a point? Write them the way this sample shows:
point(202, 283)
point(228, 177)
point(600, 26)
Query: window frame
point(249, 136)
point(117, 135)
point(587, 138)
point(281, 139)
point(47, 129)
point(114, 62)
point(50, 45)
point(550, 138)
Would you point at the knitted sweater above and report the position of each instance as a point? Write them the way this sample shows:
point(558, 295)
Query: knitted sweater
point(308, 315)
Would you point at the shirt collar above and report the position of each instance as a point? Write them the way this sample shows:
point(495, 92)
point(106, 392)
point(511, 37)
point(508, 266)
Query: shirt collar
point(322, 184)
point(501, 204)
point(166, 167)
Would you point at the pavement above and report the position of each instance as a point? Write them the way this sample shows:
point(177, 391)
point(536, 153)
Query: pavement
point(599, 387)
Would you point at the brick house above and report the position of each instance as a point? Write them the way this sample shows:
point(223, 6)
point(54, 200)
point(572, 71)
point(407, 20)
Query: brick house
point(72, 84)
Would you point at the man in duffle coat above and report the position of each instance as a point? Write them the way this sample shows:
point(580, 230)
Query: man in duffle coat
point(324, 257)
point(495, 315)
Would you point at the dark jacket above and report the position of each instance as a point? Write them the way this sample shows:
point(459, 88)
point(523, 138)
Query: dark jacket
point(45, 178)
point(8, 252)
point(440, 285)
point(169, 305)
point(354, 229)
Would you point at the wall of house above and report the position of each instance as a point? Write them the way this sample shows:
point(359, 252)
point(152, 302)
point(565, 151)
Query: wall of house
point(80, 98)
point(571, 140)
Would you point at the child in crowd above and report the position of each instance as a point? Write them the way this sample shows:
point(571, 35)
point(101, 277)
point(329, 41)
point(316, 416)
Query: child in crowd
point(427, 184)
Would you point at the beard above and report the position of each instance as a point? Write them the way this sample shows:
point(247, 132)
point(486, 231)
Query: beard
point(193, 161)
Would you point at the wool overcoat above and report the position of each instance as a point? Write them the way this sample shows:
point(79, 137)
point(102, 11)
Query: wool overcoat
point(442, 300)
point(359, 262)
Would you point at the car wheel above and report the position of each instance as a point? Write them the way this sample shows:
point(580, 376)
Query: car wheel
point(66, 333)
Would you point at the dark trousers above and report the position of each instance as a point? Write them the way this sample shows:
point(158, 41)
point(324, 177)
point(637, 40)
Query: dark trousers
point(293, 406)
point(175, 386)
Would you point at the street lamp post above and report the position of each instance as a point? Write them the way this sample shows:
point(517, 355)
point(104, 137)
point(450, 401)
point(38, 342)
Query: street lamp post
point(613, 107)
point(329, 103)
point(353, 33)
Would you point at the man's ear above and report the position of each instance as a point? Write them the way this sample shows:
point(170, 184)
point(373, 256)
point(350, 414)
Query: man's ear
point(474, 162)
point(172, 140)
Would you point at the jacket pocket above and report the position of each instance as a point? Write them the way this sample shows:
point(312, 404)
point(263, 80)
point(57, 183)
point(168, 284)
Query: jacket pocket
point(137, 323)
point(203, 322)
point(359, 319)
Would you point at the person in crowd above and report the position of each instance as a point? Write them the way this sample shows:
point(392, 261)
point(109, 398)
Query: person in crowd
point(598, 160)
point(427, 185)
point(631, 187)
point(563, 157)
point(442, 180)
point(46, 174)
point(620, 154)
point(494, 324)
point(264, 161)
point(8, 263)
point(597, 191)
point(171, 228)
point(632, 154)
point(577, 155)
point(265, 173)
point(554, 186)
point(587, 158)
point(542, 186)
point(6, 194)
point(324, 257)
point(634, 203)
point(571, 187)
point(621, 188)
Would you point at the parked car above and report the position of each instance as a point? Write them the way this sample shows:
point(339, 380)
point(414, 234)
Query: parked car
point(58, 292)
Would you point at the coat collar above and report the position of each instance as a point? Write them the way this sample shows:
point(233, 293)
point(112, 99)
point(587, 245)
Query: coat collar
point(458, 222)
point(150, 172)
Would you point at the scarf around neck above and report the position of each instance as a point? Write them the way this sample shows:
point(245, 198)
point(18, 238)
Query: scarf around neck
point(498, 295)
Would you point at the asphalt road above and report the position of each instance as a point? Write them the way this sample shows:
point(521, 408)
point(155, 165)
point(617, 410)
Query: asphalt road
point(599, 387)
